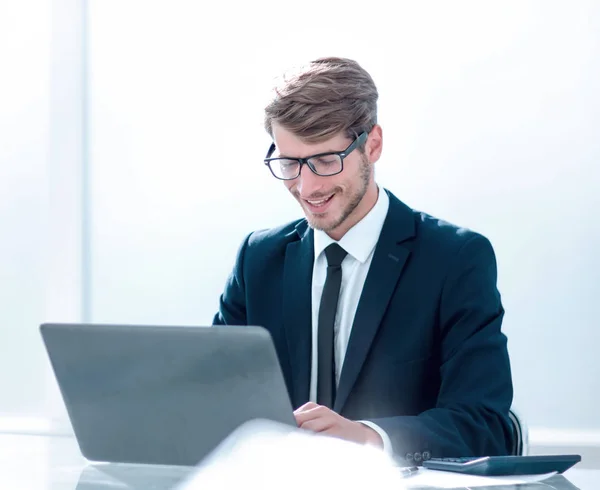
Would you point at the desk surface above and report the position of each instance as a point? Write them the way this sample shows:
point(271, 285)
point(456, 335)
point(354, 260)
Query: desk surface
point(54, 463)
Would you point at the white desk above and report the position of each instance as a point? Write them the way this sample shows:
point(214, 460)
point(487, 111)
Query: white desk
point(54, 463)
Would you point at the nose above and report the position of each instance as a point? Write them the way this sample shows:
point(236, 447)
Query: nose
point(309, 183)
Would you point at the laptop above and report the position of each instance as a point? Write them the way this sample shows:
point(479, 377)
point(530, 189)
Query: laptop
point(163, 395)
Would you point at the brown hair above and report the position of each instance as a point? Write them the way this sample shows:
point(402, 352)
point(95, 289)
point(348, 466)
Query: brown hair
point(324, 98)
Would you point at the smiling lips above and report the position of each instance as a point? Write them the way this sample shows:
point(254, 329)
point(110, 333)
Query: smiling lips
point(318, 205)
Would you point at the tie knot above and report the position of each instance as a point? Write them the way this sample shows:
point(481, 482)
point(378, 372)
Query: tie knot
point(335, 255)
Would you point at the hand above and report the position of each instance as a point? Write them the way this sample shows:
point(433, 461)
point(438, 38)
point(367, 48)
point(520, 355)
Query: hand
point(318, 418)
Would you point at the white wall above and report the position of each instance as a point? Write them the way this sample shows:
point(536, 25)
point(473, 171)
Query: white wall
point(491, 120)
point(40, 200)
point(24, 112)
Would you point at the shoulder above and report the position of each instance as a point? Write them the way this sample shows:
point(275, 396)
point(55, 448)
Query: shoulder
point(433, 236)
point(441, 233)
point(268, 240)
point(282, 233)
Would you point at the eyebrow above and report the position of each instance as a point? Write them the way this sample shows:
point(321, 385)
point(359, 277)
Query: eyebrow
point(309, 156)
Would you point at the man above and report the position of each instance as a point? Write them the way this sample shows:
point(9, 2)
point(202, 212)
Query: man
point(387, 321)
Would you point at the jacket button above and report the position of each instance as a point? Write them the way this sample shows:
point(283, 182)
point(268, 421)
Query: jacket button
point(418, 457)
point(426, 455)
point(408, 457)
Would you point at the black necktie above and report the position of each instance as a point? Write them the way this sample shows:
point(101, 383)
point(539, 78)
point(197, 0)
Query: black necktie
point(329, 301)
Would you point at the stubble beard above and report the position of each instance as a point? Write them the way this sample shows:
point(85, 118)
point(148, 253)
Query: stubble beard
point(356, 197)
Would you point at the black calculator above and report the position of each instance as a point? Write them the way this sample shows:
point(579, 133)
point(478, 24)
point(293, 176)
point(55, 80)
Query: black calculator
point(505, 465)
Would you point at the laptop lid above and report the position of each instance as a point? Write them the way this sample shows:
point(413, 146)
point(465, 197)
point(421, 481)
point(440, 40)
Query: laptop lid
point(163, 394)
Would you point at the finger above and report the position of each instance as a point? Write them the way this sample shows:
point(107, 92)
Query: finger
point(312, 413)
point(334, 430)
point(305, 407)
point(302, 417)
point(318, 425)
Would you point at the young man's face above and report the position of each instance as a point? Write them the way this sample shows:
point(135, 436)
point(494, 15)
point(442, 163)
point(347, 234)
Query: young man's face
point(334, 203)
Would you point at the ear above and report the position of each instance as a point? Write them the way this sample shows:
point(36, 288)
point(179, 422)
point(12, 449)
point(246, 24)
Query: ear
point(374, 144)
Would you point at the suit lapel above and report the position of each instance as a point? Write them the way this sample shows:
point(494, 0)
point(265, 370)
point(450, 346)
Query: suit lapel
point(297, 312)
point(388, 261)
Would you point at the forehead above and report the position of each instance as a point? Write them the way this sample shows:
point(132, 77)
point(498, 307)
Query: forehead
point(289, 145)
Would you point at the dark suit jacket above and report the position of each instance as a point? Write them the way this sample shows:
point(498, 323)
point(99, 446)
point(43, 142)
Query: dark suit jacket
point(426, 359)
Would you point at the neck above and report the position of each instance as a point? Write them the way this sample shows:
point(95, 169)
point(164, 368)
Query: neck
point(366, 204)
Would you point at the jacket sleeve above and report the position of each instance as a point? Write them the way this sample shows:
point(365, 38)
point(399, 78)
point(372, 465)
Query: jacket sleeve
point(471, 414)
point(232, 303)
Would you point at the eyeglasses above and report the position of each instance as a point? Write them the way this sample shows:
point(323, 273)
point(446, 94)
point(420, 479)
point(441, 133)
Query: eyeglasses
point(323, 164)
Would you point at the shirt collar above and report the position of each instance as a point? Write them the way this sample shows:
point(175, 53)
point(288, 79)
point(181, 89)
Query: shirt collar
point(360, 240)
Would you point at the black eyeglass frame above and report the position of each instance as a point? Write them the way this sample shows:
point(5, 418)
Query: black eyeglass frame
point(360, 139)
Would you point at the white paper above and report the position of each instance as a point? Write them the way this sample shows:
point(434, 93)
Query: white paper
point(267, 456)
point(270, 456)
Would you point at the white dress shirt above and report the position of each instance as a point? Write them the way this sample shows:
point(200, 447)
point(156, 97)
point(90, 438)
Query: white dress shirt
point(360, 243)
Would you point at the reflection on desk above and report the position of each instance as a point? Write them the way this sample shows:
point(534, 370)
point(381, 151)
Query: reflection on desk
point(131, 477)
point(55, 463)
point(557, 482)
